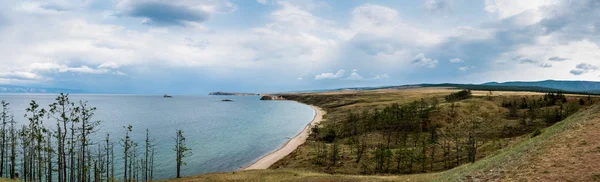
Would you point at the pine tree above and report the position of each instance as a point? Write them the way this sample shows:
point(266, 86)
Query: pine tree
point(88, 127)
point(61, 110)
point(181, 150)
point(146, 164)
point(13, 148)
point(126, 142)
point(5, 119)
point(107, 148)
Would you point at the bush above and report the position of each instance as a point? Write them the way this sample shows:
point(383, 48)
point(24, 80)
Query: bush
point(462, 95)
point(536, 133)
point(330, 136)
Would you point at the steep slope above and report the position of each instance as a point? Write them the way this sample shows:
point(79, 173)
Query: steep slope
point(567, 151)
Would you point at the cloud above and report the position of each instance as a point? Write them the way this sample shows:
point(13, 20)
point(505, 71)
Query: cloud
point(290, 38)
point(167, 13)
point(109, 65)
point(421, 60)
point(262, 1)
point(583, 68)
point(104, 68)
point(301, 77)
point(556, 58)
point(355, 76)
point(508, 8)
point(20, 75)
point(523, 60)
point(466, 68)
point(456, 60)
point(436, 6)
point(336, 75)
point(381, 77)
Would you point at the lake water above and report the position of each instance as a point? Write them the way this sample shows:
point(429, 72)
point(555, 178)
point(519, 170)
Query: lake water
point(223, 136)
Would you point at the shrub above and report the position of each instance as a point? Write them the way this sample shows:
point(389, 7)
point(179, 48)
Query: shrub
point(535, 133)
point(330, 136)
point(596, 177)
point(462, 95)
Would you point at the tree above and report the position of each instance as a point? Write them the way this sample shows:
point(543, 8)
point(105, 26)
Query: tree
point(5, 119)
point(61, 110)
point(13, 147)
point(126, 142)
point(433, 141)
point(36, 138)
point(382, 159)
point(23, 134)
point(461, 95)
point(107, 149)
point(87, 127)
point(334, 157)
point(49, 151)
point(147, 153)
point(181, 150)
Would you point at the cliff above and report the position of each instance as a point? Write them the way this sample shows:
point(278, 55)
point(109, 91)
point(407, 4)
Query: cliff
point(272, 97)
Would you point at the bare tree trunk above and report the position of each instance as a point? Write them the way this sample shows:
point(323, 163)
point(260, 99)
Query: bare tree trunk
point(146, 161)
point(107, 156)
point(152, 167)
point(13, 153)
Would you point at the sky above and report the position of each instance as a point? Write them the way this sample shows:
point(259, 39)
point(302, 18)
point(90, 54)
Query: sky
point(200, 46)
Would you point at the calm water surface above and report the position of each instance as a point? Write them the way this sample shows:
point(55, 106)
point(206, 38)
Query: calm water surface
point(223, 136)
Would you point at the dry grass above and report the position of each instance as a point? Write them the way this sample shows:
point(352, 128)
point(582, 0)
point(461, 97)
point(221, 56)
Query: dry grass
point(548, 157)
point(291, 175)
point(567, 151)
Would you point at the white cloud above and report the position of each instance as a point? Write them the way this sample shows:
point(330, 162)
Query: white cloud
point(355, 76)
point(456, 60)
point(384, 22)
point(381, 77)
point(109, 65)
point(336, 75)
point(466, 68)
point(292, 39)
point(21, 75)
point(262, 1)
point(421, 60)
point(507, 8)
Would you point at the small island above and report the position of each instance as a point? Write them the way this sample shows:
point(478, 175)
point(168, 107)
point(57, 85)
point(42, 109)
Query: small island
point(167, 96)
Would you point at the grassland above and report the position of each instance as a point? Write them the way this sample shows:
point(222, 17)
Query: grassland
point(496, 163)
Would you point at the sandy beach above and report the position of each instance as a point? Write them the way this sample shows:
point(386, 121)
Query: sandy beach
point(270, 159)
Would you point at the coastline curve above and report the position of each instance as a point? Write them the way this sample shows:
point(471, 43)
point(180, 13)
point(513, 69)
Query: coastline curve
point(290, 146)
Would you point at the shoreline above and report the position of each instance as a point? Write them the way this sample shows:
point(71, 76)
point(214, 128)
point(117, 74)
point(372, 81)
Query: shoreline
point(290, 146)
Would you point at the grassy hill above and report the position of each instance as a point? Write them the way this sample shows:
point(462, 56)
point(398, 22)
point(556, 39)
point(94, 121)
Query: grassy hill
point(580, 130)
point(574, 86)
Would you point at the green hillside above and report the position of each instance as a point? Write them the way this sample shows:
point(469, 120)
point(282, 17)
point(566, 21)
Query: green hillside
point(492, 166)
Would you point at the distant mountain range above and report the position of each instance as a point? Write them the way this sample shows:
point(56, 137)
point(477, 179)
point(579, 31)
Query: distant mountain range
point(573, 86)
point(233, 94)
point(25, 89)
point(576, 87)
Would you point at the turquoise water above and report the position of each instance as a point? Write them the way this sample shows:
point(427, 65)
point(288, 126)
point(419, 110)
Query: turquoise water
point(223, 136)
